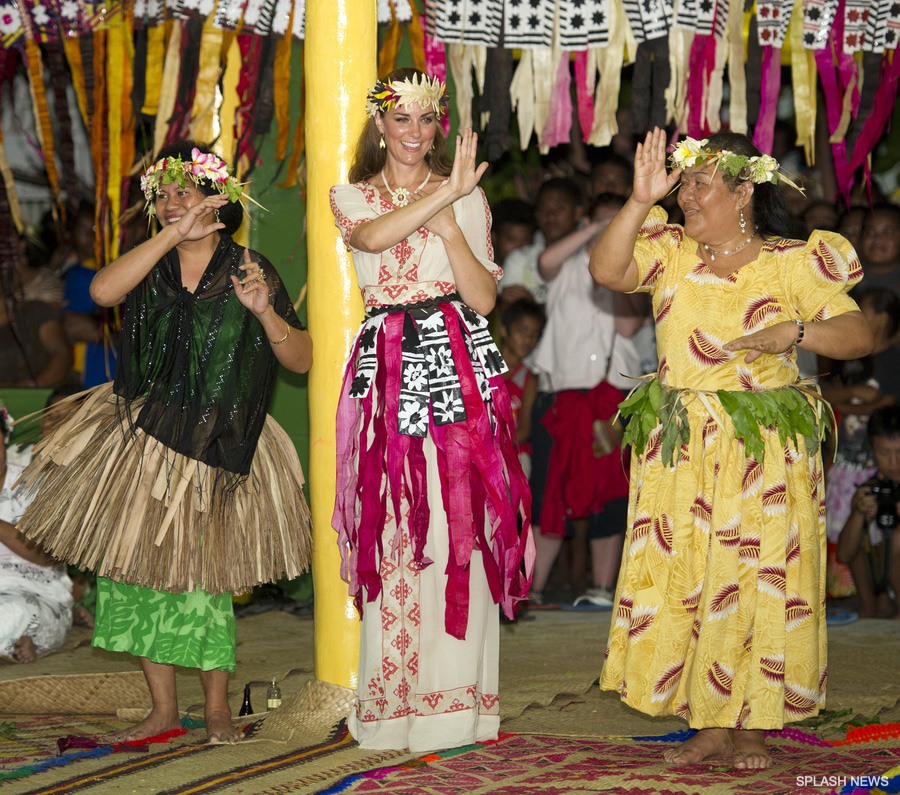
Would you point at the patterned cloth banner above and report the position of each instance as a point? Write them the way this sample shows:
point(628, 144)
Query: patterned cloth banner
point(773, 18)
point(468, 21)
point(583, 24)
point(818, 16)
point(649, 19)
point(528, 23)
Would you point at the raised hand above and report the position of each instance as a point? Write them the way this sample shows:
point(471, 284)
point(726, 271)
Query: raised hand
point(651, 180)
point(465, 176)
point(251, 289)
point(201, 219)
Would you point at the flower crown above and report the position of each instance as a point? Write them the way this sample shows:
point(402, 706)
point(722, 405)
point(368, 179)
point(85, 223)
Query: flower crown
point(763, 168)
point(201, 166)
point(428, 93)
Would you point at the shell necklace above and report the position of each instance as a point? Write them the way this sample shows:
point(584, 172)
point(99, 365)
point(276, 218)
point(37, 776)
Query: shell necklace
point(401, 196)
point(726, 252)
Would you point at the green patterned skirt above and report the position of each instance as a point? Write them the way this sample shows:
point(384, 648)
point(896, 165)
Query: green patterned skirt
point(194, 629)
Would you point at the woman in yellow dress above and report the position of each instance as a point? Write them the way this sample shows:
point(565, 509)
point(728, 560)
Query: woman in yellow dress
point(719, 615)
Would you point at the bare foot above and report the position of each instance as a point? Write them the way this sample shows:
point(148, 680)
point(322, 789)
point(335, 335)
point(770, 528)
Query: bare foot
point(705, 744)
point(24, 650)
point(750, 749)
point(219, 728)
point(157, 722)
point(82, 617)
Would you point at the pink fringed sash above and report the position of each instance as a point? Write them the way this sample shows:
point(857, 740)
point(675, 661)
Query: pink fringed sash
point(381, 471)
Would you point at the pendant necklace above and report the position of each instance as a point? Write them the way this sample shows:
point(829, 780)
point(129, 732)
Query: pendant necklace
point(400, 197)
point(724, 252)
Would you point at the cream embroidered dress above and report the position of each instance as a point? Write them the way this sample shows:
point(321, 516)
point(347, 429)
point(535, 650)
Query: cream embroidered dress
point(432, 505)
point(719, 614)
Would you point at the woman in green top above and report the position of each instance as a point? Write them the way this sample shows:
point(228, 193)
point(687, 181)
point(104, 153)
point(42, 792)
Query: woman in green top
point(173, 483)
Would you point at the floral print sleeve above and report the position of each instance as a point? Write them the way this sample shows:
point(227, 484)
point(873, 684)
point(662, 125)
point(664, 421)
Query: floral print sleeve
point(351, 210)
point(657, 244)
point(819, 274)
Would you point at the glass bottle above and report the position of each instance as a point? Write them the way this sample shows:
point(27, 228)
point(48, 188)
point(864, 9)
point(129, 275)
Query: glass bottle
point(273, 695)
point(246, 707)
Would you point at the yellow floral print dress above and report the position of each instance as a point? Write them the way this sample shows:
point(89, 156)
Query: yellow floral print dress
point(719, 615)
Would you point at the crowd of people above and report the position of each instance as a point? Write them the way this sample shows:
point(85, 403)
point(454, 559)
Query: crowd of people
point(642, 434)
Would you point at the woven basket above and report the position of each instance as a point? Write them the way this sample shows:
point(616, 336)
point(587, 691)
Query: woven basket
point(74, 694)
point(309, 713)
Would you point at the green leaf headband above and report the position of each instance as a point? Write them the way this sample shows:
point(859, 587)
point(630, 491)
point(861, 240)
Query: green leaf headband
point(758, 169)
point(201, 166)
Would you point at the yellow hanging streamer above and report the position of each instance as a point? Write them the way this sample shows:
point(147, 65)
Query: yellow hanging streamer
point(42, 118)
point(803, 76)
point(416, 38)
point(169, 88)
point(12, 197)
point(609, 64)
point(230, 99)
point(115, 67)
point(204, 109)
point(156, 53)
point(282, 90)
point(98, 130)
point(73, 56)
point(387, 57)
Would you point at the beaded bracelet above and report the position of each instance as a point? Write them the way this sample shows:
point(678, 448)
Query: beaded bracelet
point(801, 331)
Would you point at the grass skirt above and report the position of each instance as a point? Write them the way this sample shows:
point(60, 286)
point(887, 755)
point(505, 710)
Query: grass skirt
point(116, 501)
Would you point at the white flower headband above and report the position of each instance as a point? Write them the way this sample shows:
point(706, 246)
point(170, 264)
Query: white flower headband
point(201, 166)
point(428, 93)
point(763, 168)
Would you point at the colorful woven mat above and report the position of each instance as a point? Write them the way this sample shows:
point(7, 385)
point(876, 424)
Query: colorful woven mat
point(531, 764)
point(38, 744)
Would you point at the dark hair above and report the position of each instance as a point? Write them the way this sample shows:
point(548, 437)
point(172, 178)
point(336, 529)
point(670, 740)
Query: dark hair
point(770, 210)
point(607, 200)
point(608, 157)
point(369, 157)
point(881, 207)
point(524, 307)
point(515, 212)
point(232, 213)
point(568, 187)
point(885, 422)
point(881, 300)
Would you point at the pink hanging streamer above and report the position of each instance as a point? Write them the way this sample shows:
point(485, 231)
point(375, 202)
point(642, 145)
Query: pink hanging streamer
point(435, 58)
point(701, 64)
point(584, 95)
point(558, 129)
point(881, 111)
point(770, 86)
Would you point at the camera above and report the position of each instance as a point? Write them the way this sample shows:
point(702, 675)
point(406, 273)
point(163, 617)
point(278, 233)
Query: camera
point(887, 494)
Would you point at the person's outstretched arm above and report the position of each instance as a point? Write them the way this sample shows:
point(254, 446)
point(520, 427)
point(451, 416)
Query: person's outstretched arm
point(612, 259)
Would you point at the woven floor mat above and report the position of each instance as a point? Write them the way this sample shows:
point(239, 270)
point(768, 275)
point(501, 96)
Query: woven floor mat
point(539, 765)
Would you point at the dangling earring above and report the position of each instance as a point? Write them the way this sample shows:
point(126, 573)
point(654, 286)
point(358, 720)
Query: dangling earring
point(381, 143)
point(743, 223)
point(218, 220)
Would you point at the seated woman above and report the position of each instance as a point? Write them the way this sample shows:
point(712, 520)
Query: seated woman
point(35, 592)
point(34, 350)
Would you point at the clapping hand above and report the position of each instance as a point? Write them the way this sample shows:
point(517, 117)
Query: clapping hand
point(651, 180)
point(251, 289)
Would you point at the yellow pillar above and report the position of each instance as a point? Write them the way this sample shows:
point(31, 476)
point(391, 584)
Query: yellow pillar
point(341, 43)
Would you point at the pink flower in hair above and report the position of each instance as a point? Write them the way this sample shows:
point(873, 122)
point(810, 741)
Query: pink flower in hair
point(207, 166)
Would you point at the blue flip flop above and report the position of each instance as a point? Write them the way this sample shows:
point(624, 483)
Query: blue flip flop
point(837, 616)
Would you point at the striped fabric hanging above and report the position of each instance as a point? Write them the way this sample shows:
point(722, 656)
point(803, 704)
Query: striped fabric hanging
point(818, 16)
point(583, 24)
point(468, 21)
point(528, 23)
